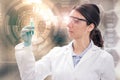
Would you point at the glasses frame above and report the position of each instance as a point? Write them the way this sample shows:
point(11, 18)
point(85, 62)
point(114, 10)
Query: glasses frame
point(78, 18)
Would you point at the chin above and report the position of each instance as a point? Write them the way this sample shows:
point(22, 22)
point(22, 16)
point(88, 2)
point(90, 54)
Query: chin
point(71, 37)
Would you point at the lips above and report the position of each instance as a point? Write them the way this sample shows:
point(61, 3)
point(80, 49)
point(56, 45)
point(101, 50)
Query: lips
point(70, 31)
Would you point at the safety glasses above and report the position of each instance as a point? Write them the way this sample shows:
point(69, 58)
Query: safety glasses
point(76, 20)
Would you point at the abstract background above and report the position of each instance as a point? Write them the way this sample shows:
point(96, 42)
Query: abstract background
point(15, 14)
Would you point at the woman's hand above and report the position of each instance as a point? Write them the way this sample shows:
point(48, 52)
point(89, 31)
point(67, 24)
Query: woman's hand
point(26, 35)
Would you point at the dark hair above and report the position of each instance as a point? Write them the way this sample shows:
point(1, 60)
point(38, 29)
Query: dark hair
point(92, 13)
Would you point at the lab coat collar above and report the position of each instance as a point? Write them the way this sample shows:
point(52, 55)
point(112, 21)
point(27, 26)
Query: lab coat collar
point(69, 46)
point(86, 57)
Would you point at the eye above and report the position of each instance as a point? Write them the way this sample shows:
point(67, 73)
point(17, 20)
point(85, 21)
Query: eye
point(76, 21)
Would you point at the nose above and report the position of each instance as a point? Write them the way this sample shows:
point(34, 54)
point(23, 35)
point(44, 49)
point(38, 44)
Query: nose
point(69, 24)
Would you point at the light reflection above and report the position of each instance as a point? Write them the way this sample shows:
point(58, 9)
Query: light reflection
point(66, 19)
point(32, 1)
point(42, 10)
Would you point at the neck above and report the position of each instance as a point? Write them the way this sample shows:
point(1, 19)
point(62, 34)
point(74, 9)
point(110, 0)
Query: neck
point(80, 45)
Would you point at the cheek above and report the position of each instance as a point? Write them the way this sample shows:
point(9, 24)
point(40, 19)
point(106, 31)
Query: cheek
point(80, 30)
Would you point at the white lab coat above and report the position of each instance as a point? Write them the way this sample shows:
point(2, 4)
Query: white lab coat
point(96, 64)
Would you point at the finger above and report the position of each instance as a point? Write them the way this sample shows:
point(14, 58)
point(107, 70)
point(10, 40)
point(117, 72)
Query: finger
point(29, 27)
point(25, 30)
point(30, 33)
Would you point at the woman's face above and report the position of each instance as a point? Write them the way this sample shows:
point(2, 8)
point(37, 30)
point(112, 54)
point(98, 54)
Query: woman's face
point(77, 25)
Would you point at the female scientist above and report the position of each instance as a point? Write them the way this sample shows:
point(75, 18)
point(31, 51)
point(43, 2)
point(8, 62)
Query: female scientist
point(82, 59)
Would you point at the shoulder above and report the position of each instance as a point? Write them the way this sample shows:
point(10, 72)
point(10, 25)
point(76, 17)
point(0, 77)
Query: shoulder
point(107, 62)
point(104, 55)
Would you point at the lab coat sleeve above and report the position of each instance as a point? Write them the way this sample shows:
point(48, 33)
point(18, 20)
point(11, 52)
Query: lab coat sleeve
point(108, 70)
point(28, 67)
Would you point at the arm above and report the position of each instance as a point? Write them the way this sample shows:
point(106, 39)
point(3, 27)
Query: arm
point(28, 67)
point(108, 68)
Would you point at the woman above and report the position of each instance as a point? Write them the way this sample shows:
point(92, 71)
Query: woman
point(82, 59)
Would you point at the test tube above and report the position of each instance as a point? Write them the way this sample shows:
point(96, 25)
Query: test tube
point(32, 25)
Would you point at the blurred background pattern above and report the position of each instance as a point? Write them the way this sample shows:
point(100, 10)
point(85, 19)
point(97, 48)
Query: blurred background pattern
point(15, 14)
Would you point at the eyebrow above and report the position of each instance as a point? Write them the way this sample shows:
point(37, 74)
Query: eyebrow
point(78, 18)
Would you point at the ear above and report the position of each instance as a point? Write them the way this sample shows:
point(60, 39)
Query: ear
point(91, 27)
